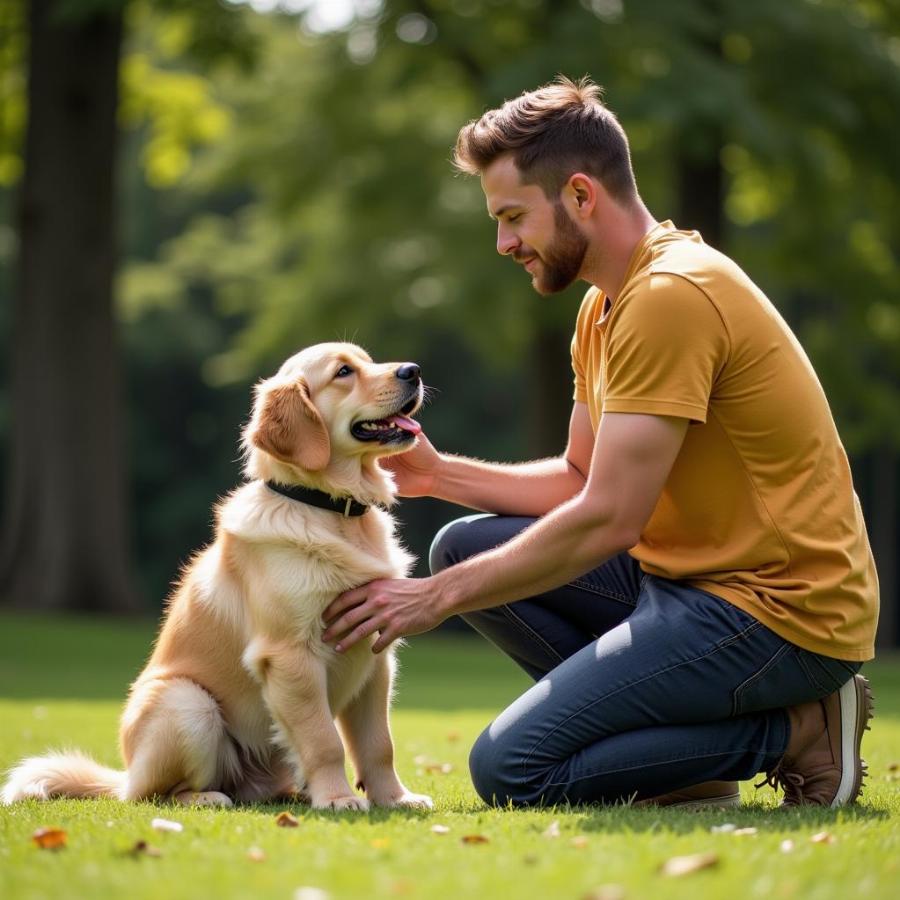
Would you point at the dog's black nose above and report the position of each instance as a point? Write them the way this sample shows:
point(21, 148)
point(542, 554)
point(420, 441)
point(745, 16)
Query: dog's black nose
point(408, 372)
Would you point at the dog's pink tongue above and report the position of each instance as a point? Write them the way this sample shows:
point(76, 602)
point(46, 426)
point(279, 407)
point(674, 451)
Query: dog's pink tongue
point(410, 425)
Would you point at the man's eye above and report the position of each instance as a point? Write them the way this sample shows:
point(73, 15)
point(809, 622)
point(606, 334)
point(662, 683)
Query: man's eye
point(343, 372)
point(514, 218)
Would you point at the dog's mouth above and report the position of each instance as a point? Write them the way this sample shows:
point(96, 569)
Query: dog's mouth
point(393, 429)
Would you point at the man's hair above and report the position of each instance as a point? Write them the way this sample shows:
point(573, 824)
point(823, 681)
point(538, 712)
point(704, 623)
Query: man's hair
point(552, 132)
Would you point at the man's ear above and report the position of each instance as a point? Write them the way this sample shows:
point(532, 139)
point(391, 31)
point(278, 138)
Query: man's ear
point(581, 192)
point(290, 428)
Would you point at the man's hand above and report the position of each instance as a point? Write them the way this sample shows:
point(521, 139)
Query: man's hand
point(393, 608)
point(415, 471)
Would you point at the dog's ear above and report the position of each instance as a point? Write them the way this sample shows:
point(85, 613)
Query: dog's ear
point(290, 428)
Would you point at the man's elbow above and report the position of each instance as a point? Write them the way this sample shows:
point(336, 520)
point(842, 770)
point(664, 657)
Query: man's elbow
point(616, 531)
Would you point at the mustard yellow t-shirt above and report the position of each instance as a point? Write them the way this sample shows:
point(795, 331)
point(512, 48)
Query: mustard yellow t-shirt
point(759, 508)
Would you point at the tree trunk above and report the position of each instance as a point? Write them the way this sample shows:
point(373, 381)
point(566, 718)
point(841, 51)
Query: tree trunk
point(65, 541)
point(700, 184)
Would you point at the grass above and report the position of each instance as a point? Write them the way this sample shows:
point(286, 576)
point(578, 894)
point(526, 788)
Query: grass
point(61, 684)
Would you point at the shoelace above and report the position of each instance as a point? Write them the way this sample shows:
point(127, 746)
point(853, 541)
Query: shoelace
point(790, 782)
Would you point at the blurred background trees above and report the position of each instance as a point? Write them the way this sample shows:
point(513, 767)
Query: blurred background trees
point(283, 178)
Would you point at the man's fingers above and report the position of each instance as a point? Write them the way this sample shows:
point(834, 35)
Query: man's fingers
point(344, 623)
point(361, 631)
point(344, 601)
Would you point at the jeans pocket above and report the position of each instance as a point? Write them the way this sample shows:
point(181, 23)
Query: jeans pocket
point(755, 692)
point(826, 674)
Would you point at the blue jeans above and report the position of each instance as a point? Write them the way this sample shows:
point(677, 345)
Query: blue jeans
point(643, 685)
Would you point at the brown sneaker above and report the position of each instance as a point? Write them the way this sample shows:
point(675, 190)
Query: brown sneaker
point(716, 794)
point(821, 765)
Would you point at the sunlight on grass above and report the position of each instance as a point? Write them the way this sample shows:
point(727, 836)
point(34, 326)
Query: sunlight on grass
point(61, 685)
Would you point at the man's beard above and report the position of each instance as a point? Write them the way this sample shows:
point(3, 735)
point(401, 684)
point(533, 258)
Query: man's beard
point(564, 257)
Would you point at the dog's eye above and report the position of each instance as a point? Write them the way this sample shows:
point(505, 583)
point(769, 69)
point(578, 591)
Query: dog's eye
point(343, 372)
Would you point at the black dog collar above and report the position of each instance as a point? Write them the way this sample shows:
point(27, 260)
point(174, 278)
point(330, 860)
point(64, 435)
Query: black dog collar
point(346, 506)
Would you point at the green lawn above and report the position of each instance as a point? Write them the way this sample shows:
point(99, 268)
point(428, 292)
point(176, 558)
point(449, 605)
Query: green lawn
point(61, 685)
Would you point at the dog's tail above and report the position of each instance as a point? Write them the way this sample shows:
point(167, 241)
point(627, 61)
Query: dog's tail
point(61, 775)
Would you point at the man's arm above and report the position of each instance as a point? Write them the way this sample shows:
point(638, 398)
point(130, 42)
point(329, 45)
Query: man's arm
point(632, 458)
point(523, 489)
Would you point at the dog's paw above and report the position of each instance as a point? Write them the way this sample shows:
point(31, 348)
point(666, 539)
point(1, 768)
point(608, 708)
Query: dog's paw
point(351, 803)
point(204, 798)
point(409, 800)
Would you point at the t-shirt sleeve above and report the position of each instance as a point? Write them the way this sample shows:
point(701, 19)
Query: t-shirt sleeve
point(580, 340)
point(665, 349)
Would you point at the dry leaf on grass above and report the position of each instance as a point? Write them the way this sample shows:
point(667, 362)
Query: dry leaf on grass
point(823, 837)
point(452, 736)
point(142, 848)
point(286, 820)
point(380, 843)
point(310, 893)
point(552, 830)
point(166, 825)
point(579, 842)
point(474, 839)
point(606, 892)
point(440, 829)
point(687, 865)
point(894, 767)
point(744, 832)
point(50, 838)
point(724, 828)
point(256, 854)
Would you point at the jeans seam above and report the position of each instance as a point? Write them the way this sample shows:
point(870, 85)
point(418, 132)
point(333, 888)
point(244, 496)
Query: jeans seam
point(604, 592)
point(527, 630)
point(730, 751)
point(624, 687)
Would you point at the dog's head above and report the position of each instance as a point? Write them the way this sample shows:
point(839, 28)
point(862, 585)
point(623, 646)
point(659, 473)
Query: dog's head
point(328, 407)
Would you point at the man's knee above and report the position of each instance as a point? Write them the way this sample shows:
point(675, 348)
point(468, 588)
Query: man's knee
point(456, 541)
point(499, 774)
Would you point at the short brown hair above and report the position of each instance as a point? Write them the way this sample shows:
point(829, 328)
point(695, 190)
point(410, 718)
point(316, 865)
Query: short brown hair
point(560, 128)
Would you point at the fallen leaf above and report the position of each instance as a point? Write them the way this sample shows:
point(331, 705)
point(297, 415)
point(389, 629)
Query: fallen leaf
point(823, 837)
point(606, 892)
point(580, 841)
point(286, 820)
point(256, 854)
point(142, 848)
point(310, 893)
point(474, 839)
point(744, 832)
point(443, 768)
point(687, 865)
point(894, 767)
point(552, 830)
point(166, 825)
point(723, 829)
point(420, 760)
point(440, 829)
point(380, 843)
point(50, 838)
point(786, 846)
point(452, 736)
point(402, 887)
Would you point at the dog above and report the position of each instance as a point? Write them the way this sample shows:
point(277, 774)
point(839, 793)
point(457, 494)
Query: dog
point(241, 701)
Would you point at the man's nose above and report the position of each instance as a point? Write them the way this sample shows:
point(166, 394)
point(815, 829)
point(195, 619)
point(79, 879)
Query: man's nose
point(408, 372)
point(507, 242)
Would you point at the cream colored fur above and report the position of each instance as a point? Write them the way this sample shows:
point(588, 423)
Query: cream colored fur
point(241, 700)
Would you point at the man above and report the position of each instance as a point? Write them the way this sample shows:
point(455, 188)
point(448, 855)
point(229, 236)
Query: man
point(690, 583)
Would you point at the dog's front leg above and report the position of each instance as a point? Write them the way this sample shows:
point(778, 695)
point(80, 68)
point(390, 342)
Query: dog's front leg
point(294, 688)
point(364, 723)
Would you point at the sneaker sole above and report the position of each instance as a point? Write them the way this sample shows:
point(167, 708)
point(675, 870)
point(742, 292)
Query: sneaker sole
point(856, 711)
point(722, 802)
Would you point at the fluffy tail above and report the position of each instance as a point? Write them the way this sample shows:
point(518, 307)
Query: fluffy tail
point(61, 775)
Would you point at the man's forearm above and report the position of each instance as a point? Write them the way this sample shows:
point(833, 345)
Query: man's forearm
point(556, 549)
point(511, 489)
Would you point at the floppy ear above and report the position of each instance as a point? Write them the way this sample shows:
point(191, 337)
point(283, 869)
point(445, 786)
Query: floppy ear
point(290, 428)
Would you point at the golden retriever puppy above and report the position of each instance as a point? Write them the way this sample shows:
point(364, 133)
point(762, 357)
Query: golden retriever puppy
point(241, 700)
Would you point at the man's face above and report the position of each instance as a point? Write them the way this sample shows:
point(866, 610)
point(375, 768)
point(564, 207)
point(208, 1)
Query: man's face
point(535, 231)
